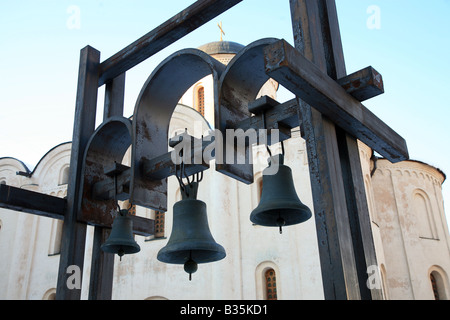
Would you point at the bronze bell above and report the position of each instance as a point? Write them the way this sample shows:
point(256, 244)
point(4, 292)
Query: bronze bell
point(279, 205)
point(190, 242)
point(121, 240)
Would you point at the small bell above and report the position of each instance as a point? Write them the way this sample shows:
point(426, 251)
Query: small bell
point(279, 205)
point(121, 240)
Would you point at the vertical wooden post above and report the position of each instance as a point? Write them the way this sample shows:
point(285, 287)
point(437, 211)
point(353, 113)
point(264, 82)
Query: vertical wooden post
point(343, 227)
point(358, 210)
point(102, 267)
point(74, 232)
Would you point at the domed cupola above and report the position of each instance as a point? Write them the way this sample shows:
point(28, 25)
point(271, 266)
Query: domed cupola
point(222, 51)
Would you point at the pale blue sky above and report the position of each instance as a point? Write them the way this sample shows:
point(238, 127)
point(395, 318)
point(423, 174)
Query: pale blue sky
point(40, 41)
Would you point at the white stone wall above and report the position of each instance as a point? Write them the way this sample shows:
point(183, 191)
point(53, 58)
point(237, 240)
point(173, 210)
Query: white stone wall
point(413, 227)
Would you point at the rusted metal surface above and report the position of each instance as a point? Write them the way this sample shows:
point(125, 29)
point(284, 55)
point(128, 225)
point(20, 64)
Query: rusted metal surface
point(239, 86)
point(107, 147)
point(363, 84)
point(197, 14)
point(154, 107)
point(291, 69)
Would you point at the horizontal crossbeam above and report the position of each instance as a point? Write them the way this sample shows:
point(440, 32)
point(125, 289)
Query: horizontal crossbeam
point(363, 84)
point(194, 16)
point(44, 205)
point(291, 69)
point(32, 202)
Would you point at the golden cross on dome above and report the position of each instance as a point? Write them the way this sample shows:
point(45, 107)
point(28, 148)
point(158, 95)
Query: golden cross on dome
point(221, 30)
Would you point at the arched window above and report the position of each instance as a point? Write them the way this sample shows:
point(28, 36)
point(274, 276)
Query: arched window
point(434, 286)
point(439, 283)
point(424, 214)
point(64, 175)
point(50, 294)
point(271, 284)
point(200, 100)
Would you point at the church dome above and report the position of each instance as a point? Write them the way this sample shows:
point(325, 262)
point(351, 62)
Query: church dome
point(221, 47)
point(222, 51)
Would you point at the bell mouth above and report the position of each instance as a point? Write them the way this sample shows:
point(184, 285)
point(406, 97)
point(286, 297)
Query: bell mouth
point(199, 255)
point(272, 217)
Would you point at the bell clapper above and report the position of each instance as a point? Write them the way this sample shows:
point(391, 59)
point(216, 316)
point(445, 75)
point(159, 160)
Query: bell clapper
point(120, 253)
point(280, 223)
point(190, 266)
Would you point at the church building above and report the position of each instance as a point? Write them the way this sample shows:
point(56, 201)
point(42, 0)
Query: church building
point(409, 226)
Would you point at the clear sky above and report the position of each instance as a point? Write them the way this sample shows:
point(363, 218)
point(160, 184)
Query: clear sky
point(407, 41)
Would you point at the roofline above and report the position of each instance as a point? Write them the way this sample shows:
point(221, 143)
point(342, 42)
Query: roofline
point(40, 160)
point(421, 162)
point(20, 161)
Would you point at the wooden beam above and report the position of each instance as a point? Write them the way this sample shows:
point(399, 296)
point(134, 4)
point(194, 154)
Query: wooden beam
point(345, 241)
point(74, 232)
point(363, 84)
point(102, 267)
point(194, 16)
point(143, 226)
point(333, 232)
point(102, 264)
point(32, 202)
point(114, 97)
point(292, 70)
point(354, 186)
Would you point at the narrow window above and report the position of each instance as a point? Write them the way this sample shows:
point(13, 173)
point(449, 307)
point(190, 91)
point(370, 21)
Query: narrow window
point(271, 285)
point(200, 99)
point(434, 286)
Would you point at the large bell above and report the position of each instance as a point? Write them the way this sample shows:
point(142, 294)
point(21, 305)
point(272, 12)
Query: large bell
point(191, 241)
point(279, 205)
point(121, 240)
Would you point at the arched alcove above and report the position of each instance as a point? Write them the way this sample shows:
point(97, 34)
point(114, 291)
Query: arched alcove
point(153, 111)
point(106, 147)
point(424, 215)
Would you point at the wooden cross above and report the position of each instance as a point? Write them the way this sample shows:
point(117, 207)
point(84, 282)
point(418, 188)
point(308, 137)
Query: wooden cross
point(221, 30)
point(328, 109)
point(331, 120)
